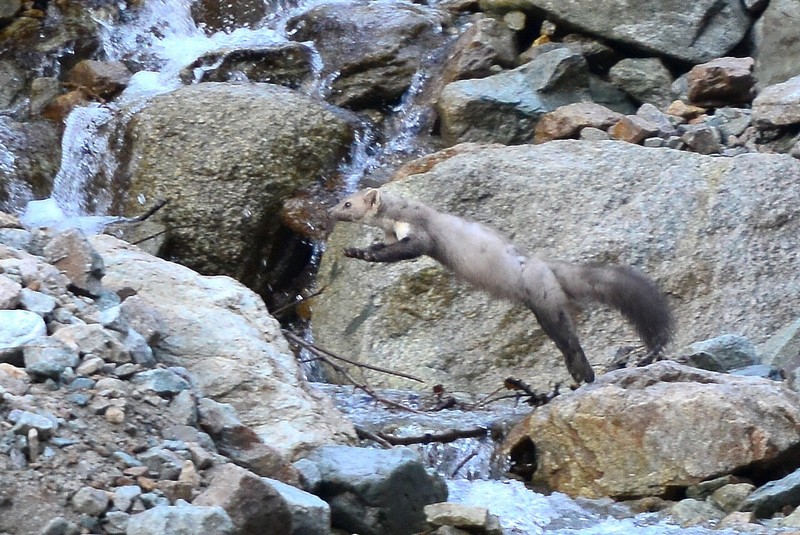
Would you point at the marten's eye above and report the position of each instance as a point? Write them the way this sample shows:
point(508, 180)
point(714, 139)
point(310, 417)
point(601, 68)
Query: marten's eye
point(348, 204)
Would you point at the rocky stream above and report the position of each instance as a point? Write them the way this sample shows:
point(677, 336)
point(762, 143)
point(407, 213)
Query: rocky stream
point(175, 307)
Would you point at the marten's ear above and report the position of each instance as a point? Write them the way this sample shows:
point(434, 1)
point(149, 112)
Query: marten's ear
point(372, 197)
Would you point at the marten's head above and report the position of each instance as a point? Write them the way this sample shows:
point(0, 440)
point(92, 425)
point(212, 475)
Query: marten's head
point(358, 206)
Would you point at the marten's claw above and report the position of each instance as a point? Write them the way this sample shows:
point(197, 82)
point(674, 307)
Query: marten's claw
point(352, 252)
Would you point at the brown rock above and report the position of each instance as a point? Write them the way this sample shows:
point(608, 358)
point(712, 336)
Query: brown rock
point(641, 432)
point(105, 79)
point(633, 129)
point(687, 111)
point(722, 81)
point(255, 507)
point(567, 121)
point(486, 43)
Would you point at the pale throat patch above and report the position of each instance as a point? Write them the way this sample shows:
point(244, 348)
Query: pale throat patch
point(401, 230)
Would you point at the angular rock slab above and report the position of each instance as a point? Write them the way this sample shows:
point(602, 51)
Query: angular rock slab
point(376, 492)
point(688, 31)
point(646, 431)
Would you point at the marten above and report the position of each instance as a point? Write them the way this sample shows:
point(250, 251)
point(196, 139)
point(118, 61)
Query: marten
point(482, 257)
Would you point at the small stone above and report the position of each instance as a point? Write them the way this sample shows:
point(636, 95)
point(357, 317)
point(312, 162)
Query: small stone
point(90, 366)
point(34, 447)
point(458, 515)
point(161, 381)
point(10, 293)
point(24, 421)
point(60, 526)
point(116, 523)
point(633, 129)
point(115, 415)
point(48, 357)
point(90, 501)
point(730, 497)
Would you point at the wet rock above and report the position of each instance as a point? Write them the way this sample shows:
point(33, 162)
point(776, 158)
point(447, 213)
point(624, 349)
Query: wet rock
point(105, 79)
point(778, 105)
point(485, 44)
point(633, 129)
point(286, 64)
point(18, 328)
point(214, 16)
point(777, 47)
point(71, 252)
point(647, 80)
point(371, 51)
point(35, 149)
point(183, 519)
point(568, 121)
point(374, 492)
point(49, 357)
point(283, 140)
point(505, 108)
point(774, 496)
point(253, 505)
point(708, 29)
point(90, 501)
point(722, 354)
point(660, 420)
point(721, 81)
point(10, 293)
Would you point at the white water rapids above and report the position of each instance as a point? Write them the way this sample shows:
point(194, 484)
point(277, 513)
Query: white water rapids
point(162, 36)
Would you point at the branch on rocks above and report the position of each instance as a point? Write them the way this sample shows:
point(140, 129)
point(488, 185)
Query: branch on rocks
point(278, 310)
point(326, 356)
point(522, 389)
point(426, 438)
point(159, 204)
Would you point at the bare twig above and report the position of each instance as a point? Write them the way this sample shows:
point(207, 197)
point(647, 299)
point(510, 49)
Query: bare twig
point(321, 352)
point(159, 204)
point(464, 461)
point(442, 437)
point(295, 303)
point(369, 435)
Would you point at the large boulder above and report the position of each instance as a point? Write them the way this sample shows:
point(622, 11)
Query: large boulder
point(376, 492)
point(647, 431)
point(778, 43)
point(370, 51)
point(717, 234)
point(687, 31)
point(222, 333)
point(226, 156)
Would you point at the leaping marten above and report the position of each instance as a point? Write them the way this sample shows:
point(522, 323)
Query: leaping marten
point(481, 256)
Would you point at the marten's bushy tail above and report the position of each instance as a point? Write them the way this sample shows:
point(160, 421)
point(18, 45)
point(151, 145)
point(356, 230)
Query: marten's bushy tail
point(626, 289)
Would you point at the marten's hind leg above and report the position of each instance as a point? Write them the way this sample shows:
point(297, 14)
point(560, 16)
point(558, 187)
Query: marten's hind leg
point(550, 305)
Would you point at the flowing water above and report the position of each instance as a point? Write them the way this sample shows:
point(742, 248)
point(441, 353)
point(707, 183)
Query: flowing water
point(162, 37)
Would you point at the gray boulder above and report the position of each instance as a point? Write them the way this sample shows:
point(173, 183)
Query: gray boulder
point(778, 43)
point(688, 31)
point(18, 328)
point(505, 108)
point(227, 156)
point(376, 492)
point(183, 519)
point(643, 431)
point(706, 243)
point(370, 51)
point(222, 333)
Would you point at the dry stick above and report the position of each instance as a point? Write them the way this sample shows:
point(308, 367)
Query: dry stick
point(295, 303)
point(462, 463)
point(369, 435)
point(321, 352)
point(443, 437)
point(322, 355)
point(150, 211)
